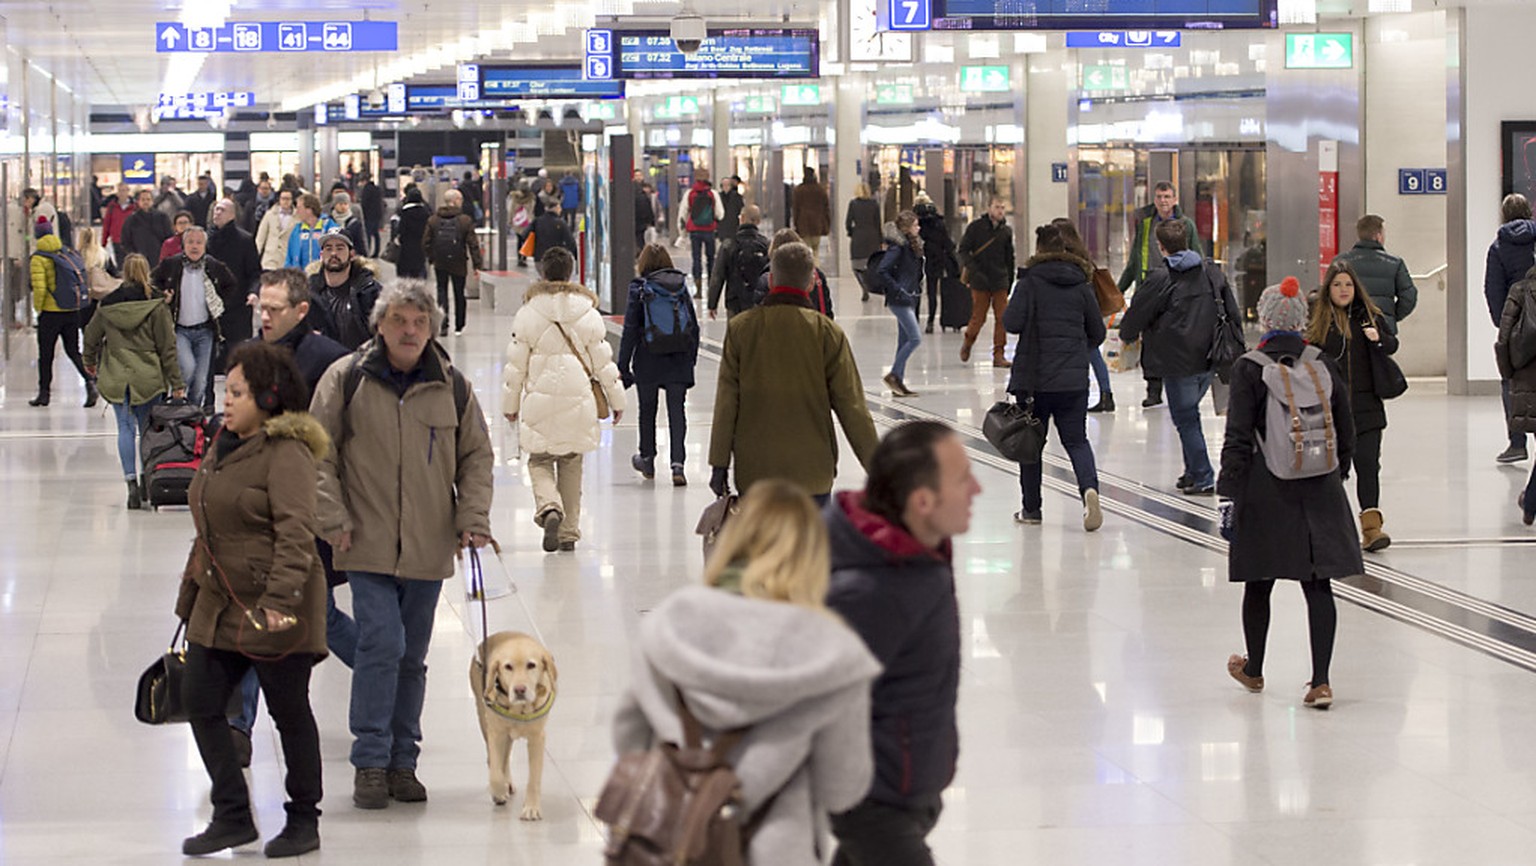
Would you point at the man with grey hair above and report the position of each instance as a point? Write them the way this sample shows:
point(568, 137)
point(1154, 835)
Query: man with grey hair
point(199, 289)
point(406, 485)
point(785, 370)
point(451, 245)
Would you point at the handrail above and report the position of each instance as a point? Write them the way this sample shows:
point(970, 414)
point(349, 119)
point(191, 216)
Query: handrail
point(1435, 272)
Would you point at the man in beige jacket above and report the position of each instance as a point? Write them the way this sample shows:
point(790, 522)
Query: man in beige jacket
point(407, 484)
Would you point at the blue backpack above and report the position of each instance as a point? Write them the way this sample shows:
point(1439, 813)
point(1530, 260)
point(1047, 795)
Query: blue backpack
point(670, 322)
point(71, 289)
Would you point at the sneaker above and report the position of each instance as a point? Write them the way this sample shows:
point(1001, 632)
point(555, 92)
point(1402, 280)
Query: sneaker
point(295, 839)
point(1182, 483)
point(370, 788)
point(1193, 489)
point(242, 741)
point(1151, 401)
point(1512, 454)
point(1028, 518)
point(551, 531)
point(220, 835)
point(404, 787)
point(1093, 518)
point(1235, 665)
point(678, 478)
point(459, 331)
point(646, 467)
point(1318, 697)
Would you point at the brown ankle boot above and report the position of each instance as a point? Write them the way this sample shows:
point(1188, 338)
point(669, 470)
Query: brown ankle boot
point(965, 348)
point(999, 361)
point(1372, 539)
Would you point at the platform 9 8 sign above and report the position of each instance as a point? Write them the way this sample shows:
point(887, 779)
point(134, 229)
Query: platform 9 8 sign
point(1327, 205)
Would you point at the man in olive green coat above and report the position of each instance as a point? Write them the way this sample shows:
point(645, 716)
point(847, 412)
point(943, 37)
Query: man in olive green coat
point(784, 371)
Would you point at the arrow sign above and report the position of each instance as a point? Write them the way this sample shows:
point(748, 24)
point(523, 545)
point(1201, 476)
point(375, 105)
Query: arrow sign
point(1333, 51)
point(170, 36)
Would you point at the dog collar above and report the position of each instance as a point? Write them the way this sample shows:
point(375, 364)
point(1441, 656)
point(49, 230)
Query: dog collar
point(534, 716)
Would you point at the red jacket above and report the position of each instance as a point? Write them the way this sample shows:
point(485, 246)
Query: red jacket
point(701, 188)
point(113, 216)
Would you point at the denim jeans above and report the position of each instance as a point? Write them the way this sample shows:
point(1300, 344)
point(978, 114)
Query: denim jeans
point(389, 679)
point(703, 245)
point(1184, 394)
point(677, 424)
point(132, 421)
point(1100, 370)
point(194, 352)
point(908, 337)
point(1068, 411)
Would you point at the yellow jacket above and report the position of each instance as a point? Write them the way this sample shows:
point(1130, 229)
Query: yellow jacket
point(44, 280)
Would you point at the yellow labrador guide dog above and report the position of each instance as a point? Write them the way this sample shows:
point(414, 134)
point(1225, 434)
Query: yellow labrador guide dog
point(513, 700)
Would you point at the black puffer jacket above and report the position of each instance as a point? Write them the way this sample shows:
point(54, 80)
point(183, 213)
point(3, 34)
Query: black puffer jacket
point(313, 352)
point(1352, 357)
point(1386, 278)
point(1509, 257)
point(900, 598)
point(1522, 380)
point(1055, 286)
point(938, 247)
point(637, 365)
point(1302, 529)
point(901, 270)
point(343, 313)
point(1175, 307)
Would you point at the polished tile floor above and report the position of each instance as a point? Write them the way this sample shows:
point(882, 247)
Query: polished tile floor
point(1097, 721)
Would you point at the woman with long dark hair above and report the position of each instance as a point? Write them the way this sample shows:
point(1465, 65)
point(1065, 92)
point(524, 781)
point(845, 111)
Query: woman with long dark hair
point(901, 272)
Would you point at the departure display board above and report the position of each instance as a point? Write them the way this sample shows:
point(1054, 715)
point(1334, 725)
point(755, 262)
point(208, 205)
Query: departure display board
point(754, 52)
point(1103, 14)
point(431, 97)
point(524, 82)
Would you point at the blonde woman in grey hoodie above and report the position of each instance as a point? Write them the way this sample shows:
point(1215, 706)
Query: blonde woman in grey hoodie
point(758, 648)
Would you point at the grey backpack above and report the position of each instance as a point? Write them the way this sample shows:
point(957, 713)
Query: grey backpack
point(1300, 439)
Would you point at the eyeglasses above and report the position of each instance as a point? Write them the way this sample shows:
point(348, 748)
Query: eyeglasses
point(275, 309)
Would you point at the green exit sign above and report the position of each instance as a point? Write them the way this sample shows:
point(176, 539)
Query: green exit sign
point(893, 94)
point(984, 79)
point(759, 105)
point(1319, 51)
point(801, 94)
point(1105, 78)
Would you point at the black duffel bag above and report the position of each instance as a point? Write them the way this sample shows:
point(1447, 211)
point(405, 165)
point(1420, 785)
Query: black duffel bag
point(1015, 431)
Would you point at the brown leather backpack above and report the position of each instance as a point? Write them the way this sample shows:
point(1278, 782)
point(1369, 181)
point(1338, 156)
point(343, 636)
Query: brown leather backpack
point(677, 804)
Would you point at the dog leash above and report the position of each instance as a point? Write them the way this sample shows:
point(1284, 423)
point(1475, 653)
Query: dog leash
point(477, 593)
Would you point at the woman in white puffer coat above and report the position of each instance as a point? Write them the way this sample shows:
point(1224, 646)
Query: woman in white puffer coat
point(557, 336)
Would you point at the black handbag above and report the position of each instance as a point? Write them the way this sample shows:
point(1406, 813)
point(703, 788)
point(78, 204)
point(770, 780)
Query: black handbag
point(1227, 344)
point(391, 252)
point(1015, 431)
point(158, 701)
point(1013, 428)
point(1386, 374)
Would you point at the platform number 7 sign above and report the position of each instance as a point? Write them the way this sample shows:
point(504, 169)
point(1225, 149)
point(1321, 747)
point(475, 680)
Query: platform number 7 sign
point(910, 14)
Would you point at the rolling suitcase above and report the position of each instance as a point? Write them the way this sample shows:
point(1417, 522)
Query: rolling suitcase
point(172, 447)
point(954, 304)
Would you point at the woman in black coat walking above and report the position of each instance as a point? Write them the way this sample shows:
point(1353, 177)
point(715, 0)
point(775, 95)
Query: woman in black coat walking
point(1346, 324)
point(1284, 529)
point(865, 233)
point(653, 371)
point(407, 228)
point(939, 261)
point(1055, 314)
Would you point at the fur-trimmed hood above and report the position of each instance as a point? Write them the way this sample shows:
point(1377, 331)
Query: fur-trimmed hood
point(547, 287)
point(302, 427)
point(1070, 258)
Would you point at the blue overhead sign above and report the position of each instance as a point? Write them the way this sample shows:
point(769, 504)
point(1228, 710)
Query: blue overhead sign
point(431, 97)
point(748, 52)
point(1421, 181)
point(597, 59)
point(1124, 39)
point(524, 82)
point(902, 15)
point(188, 106)
point(276, 36)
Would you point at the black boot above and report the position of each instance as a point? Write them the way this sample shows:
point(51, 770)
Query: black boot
point(91, 394)
point(220, 835)
point(1106, 404)
point(135, 499)
point(41, 399)
point(297, 838)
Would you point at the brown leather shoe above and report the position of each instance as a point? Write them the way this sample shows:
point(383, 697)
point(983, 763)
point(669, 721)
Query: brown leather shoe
point(999, 361)
point(965, 349)
point(1318, 697)
point(1235, 665)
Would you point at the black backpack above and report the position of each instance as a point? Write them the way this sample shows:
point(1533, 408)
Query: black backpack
point(751, 262)
point(877, 283)
point(448, 242)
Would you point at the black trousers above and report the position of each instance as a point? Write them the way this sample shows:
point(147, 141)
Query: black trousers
point(878, 834)
point(1367, 460)
point(1322, 623)
point(51, 328)
point(677, 422)
point(460, 303)
point(934, 278)
point(212, 675)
